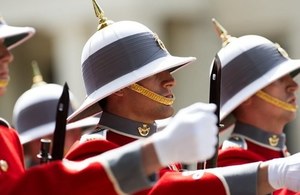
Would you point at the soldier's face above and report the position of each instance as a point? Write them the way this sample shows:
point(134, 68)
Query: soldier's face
point(5, 59)
point(283, 89)
point(146, 109)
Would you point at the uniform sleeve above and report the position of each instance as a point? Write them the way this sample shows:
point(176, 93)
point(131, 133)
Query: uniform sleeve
point(109, 173)
point(64, 178)
point(128, 169)
point(11, 158)
point(236, 156)
point(235, 180)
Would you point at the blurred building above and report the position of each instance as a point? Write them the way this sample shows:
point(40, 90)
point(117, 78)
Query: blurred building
point(185, 27)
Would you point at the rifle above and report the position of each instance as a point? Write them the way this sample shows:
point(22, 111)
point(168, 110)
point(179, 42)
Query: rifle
point(60, 125)
point(44, 154)
point(215, 87)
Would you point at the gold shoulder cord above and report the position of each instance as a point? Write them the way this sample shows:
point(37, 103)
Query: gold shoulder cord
point(276, 102)
point(153, 96)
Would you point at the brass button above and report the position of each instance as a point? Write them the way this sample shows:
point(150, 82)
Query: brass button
point(3, 165)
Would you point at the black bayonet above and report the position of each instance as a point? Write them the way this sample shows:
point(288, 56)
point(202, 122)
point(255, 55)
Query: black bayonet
point(215, 88)
point(60, 126)
point(214, 97)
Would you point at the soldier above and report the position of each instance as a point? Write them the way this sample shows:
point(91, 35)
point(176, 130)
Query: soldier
point(34, 117)
point(127, 72)
point(261, 103)
point(95, 175)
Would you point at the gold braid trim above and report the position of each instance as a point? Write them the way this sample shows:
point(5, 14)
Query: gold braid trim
point(276, 102)
point(3, 83)
point(150, 94)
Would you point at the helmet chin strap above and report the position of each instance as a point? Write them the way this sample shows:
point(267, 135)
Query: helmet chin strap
point(152, 95)
point(3, 83)
point(276, 102)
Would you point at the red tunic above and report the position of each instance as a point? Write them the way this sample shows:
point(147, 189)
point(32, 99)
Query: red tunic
point(172, 182)
point(249, 144)
point(52, 178)
point(80, 151)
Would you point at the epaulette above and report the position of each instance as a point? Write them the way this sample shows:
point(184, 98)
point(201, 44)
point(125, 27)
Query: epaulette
point(4, 123)
point(234, 142)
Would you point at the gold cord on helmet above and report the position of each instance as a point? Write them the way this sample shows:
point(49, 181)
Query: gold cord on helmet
point(103, 22)
point(276, 102)
point(222, 32)
point(37, 76)
point(150, 94)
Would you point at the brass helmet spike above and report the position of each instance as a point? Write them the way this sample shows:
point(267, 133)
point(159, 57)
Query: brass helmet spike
point(103, 22)
point(222, 32)
point(37, 77)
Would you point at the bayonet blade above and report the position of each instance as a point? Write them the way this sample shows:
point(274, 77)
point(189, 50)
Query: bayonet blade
point(60, 126)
